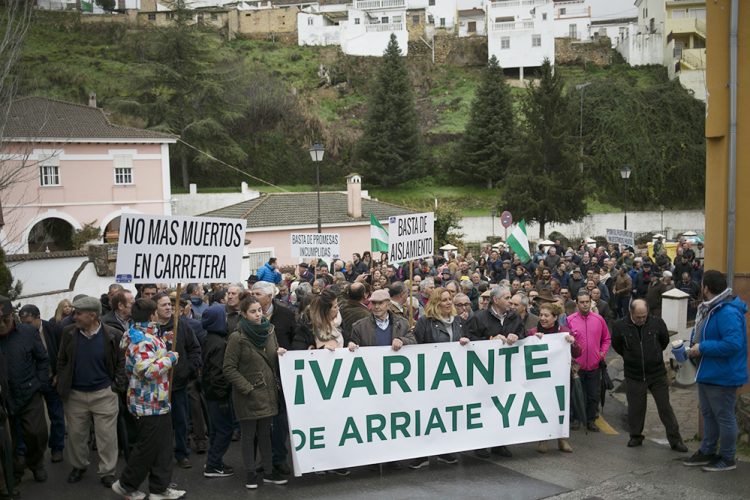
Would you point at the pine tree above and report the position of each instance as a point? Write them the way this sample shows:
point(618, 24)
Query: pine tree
point(484, 148)
point(544, 182)
point(390, 150)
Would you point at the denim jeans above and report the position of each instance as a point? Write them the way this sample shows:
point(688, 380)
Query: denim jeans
point(719, 423)
point(56, 418)
point(180, 419)
point(220, 432)
point(591, 381)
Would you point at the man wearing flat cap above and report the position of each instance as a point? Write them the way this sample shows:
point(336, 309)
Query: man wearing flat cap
point(381, 327)
point(26, 369)
point(90, 373)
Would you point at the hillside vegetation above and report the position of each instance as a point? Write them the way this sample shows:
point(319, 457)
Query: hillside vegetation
point(258, 105)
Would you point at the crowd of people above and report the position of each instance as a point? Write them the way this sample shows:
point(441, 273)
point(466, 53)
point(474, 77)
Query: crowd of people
point(160, 387)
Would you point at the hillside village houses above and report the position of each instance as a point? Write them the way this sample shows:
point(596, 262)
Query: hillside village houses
point(670, 33)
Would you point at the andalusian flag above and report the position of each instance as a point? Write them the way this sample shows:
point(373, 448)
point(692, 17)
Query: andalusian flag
point(378, 236)
point(519, 243)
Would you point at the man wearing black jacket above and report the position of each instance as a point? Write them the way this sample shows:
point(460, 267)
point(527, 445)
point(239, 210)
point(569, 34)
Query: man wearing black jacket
point(497, 322)
point(640, 339)
point(30, 315)
point(189, 363)
point(27, 366)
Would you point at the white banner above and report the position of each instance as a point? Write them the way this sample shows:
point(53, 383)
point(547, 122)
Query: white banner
point(315, 245)
point(377, 405)
point(164, 249)
point(410, 237)
point(621, 237)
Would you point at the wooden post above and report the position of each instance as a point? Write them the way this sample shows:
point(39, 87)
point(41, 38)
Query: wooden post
point(411, 288)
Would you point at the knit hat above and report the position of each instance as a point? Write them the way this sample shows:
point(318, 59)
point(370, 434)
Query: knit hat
point(89, 304)
point(214, 318)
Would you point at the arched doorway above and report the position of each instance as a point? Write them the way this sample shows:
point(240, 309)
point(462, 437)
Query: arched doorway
point(112, 230)
point(51, 234)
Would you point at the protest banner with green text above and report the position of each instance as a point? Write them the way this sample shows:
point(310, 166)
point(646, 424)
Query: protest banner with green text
point(377, 405)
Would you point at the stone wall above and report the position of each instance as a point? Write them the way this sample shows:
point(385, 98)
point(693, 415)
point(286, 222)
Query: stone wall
point(449, 49)
point(597, 52)
point(268, 21)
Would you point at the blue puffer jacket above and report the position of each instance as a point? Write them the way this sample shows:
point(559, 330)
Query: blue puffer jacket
point(268, 273)
point(723, 345)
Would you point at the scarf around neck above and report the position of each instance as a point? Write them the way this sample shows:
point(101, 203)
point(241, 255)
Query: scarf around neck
point(257, 333)
point(704, 311)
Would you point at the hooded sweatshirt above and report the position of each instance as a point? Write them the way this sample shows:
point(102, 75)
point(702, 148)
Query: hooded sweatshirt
point(215, 385)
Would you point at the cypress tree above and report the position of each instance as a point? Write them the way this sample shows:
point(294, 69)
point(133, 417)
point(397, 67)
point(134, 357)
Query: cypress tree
point(544, 182)
point(484, 148)
point(390, 150)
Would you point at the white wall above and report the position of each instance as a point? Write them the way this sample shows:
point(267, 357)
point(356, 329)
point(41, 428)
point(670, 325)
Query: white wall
point(612, 31)
point(642, 49)
point(320, 32)
point(694, 80)
point(372, 39)
point(463, 26)
point(521, 53)
point(478, 228)
point(443, 9)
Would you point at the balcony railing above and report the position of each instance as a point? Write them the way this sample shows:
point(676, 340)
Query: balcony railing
point(499, 4)
point(379, 4)
point(387, 27)
point(572, 12)
point(513, 26)
point(686, 25)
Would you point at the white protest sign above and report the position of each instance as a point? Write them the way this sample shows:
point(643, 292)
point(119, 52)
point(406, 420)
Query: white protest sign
point(159, 248)
point(410, 237)
point(318, 245)
point(377, 405)
point(621, 237)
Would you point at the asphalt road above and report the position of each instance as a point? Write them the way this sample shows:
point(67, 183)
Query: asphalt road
point(600, 467)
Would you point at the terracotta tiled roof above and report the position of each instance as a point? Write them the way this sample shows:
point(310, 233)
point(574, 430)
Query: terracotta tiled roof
point(295, 209)
point(42, 118)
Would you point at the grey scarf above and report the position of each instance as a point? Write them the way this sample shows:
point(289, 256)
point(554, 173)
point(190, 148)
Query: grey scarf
point(704, 311)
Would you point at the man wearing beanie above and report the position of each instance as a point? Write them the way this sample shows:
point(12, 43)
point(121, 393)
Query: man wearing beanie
point(27, 369)
point(217, 391)
point(90, 372)
point(148, 363)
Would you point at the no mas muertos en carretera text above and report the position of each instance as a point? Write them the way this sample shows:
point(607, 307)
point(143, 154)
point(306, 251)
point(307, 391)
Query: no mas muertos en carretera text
point(397, 369)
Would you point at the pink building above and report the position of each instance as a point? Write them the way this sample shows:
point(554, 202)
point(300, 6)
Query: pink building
point(65, 165)
point(271, 219)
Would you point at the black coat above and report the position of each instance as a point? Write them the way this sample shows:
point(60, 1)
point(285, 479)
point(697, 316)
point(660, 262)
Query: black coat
point(215, 385)
point(283, 322)
point(111, 320)
point(432, 331)
point(52, 339)
point(26, 365)
point(189, 351)
point(114, 359)
point(641, 347)
point(484, 324)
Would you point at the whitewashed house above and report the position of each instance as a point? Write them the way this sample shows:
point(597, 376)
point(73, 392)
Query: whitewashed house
point(368, 29)
point(572, 19)
point(472, 22)
point(520, 33)
point(616, 29)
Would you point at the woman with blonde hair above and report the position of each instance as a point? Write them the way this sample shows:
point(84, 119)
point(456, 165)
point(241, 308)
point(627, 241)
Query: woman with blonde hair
point(320, 325)
point(549, 312)
point(439, 323)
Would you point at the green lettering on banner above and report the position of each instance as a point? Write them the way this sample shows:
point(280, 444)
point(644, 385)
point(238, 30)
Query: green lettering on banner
point(350, 432)
point(402, 426)
point(530, 408)
point(531, 362)
point(420, 372)
point(504, 409)
point(302, 439)
point(316, 438)
point(453, 410)
point(435, 422)
point(508, 352)
point(446, 361)
point(473, 414)
point(400, 378)
point(359, 367)
point(375, 425)
point(474, 364)
point(299, 386)
point(326, 389)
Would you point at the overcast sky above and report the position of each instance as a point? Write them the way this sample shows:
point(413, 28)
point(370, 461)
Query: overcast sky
point(612, 8)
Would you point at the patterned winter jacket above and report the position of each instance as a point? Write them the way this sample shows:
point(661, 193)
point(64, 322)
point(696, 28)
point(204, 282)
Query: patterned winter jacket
point(147, 363)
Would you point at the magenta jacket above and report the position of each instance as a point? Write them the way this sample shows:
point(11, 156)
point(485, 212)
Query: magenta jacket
point(592, 335)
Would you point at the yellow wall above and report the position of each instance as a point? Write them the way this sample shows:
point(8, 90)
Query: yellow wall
point(717, 142)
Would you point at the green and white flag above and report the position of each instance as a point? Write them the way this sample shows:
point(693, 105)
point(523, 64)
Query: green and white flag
point(378, 236)
point(519, 243)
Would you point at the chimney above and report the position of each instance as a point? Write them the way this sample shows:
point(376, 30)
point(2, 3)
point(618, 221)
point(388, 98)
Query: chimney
point(92, 99)
point(354, 195)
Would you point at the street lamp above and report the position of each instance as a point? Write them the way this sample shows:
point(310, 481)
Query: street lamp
point(316, 153)
point(625, 174)
point(581, 87)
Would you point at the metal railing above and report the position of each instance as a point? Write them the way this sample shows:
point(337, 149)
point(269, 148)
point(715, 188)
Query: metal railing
point(378, 28)
point(513, 26)
point(379, 4)
point(499, 4)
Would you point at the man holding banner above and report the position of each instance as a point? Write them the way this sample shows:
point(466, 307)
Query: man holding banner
point(381, 328)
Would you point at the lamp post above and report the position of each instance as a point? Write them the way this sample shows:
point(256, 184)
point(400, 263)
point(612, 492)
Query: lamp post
point(316, 153)
point(625, 174)
point(581, 87)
